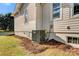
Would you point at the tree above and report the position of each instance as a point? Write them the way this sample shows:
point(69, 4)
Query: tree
point(7, 22)
point(1, 21)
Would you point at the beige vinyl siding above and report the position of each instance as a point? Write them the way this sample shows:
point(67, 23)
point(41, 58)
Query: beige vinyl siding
point(31, 23)
point(39, 23)
point(44, 16)
point(19, 23)
point(47, 19)
point(23, 28)
point(66, 13)
point(31, 9)
point(61, 25)
point(47, 16)
point(66, 10)
point(31, 20)
point(68, 19)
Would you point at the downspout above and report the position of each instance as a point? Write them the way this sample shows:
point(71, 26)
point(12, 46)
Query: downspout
point(42, 17)
point(42, 14)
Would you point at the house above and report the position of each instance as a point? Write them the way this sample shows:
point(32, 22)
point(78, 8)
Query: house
point(61, 19)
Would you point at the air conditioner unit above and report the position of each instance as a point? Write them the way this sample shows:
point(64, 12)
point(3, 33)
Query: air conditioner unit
point(38, 36)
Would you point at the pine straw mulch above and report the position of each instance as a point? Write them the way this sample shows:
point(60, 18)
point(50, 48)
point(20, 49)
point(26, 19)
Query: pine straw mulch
point(33, 47)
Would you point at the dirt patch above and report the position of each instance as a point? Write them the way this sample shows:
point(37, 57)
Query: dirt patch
point(64, 47)
point(33, 47)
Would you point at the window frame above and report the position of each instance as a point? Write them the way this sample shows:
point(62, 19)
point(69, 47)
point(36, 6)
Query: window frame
point(60, 16)
point(72, 12)
point(72, 42)
point(73, 8)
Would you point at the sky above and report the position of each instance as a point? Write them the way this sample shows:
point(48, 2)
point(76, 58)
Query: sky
point(7, 8)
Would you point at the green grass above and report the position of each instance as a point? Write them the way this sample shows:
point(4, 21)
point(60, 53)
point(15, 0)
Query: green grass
point(1, 30)
point(10, 46)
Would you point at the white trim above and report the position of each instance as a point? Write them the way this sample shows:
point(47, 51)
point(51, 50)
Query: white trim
point(72, 12)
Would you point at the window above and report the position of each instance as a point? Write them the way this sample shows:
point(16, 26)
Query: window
point(76, 8)
point(78, 41)
point(56, 10)
point(74, 40)
point(69, 39)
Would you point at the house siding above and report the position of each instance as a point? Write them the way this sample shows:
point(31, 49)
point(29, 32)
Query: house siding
point(23, 28)
point(40, 17)
point(67, 20)
point(47, 19)
point(60, 26)
point(19, 25)
point(44, 17)
point(31, 22)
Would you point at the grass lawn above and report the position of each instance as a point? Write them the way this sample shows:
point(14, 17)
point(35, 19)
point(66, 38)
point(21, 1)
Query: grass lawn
point(11, 46)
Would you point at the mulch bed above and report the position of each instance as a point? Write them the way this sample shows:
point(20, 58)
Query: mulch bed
point(33, 47)
point(30, 46)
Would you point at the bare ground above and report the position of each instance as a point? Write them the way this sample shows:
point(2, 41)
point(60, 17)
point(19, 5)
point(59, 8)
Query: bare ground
point(36, 48)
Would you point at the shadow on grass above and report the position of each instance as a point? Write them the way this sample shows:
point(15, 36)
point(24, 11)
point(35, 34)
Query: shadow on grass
point(6, 33)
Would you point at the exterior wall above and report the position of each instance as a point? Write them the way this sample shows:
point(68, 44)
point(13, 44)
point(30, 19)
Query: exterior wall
point(31, 22)
point(60, 25)
point(40, 18)
point(63, 38)
point(44, 17)
point(47, 19)
point(22, 28)
point(19, 25)
point(47, 16)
